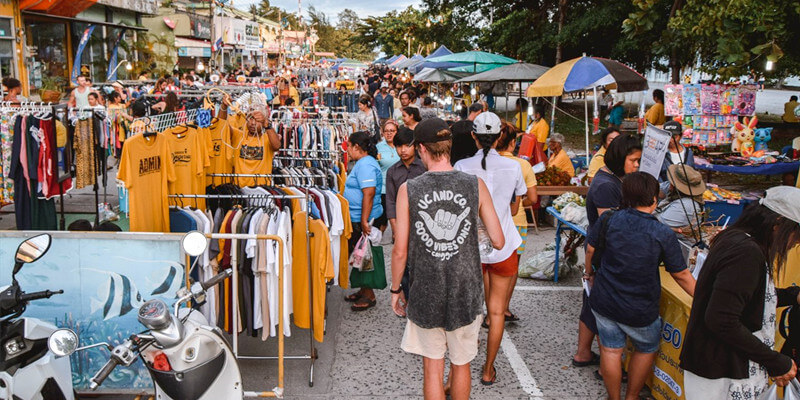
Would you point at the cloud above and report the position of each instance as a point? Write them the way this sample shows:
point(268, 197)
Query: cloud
point(331, 8)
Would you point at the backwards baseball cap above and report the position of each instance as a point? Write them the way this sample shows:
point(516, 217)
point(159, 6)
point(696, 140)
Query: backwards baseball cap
point(487, 123)
point(783, 200)
point(432, 130)
point(384, 84)
point(673, 127)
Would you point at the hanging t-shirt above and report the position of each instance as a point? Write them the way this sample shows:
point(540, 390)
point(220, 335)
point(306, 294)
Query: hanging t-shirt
point(146, 172)
point(254, 156)
point(189, 158)
point(220, 150)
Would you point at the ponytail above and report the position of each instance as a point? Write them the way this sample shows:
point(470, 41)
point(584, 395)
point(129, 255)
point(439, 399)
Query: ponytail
point(367, 141)
point(486, 142)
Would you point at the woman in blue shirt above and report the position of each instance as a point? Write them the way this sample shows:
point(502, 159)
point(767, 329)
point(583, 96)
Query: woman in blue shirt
point(387, 156)
point(360, 188)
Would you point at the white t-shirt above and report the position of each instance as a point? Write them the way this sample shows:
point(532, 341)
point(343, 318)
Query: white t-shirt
point(677, 158)
point(503, 178)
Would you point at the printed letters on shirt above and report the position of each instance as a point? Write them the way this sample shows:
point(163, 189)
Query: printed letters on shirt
point(444, 232)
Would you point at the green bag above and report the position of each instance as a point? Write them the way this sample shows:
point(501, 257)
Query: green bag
point(375, 279)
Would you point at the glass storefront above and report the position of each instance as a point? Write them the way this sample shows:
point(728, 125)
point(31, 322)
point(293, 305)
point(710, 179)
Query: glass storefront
point(47, 48)
point(7, 64)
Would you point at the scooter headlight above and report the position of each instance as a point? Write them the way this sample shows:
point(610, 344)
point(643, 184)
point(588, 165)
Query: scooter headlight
point(14, 347)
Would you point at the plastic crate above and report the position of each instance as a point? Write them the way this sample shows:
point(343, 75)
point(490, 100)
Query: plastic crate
point(720, 210)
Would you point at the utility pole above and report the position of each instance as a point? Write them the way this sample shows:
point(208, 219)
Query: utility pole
point(214, 65)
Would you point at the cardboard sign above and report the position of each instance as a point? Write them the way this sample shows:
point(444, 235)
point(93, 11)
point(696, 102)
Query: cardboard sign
point(654, 148)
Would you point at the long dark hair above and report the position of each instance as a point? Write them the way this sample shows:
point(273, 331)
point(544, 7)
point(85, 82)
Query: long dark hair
point(619, 149)
point(171, 100)
point(486, 142)
point(413, 112)
point(774, 233)
point(366, 140)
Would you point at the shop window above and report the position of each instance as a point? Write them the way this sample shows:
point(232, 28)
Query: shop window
point(7, 66)
point(47, 55)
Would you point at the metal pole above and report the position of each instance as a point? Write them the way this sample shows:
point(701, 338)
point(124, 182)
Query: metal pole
point(586, 120)
point(235, 297)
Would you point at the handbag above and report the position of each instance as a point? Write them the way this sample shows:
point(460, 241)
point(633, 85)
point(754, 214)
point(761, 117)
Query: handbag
point(374, 279)
point(789, 328)
point(376, 122)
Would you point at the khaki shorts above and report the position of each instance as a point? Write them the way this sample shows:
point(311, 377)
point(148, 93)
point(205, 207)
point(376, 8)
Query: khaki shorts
point(461, 343)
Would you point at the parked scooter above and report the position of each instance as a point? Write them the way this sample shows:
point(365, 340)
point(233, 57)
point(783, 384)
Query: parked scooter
point(28, 371)
point(187, 359)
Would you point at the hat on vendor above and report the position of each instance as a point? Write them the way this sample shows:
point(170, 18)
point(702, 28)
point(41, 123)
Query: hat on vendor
point(783, 200)
point(686, 180)
point(673, 127)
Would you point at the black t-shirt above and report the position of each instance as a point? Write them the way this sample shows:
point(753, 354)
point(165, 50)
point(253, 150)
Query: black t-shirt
point(463, 144)
point(374, 86)
point(604, 192)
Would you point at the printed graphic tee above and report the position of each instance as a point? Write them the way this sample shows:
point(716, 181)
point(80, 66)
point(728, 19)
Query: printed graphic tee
point(446, 284)
point(254, 156)
point(145, 169)
point(220, 150)
point(189, 159)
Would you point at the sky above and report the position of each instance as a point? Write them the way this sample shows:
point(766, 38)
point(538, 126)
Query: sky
point(331, 8)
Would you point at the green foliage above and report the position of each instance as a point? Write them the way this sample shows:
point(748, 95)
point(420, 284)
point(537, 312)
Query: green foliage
point(286, 19)
point(156, 54)
point(339, 39)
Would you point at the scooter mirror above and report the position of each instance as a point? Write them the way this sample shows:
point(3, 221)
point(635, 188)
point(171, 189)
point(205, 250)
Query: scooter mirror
point(63, 342)
point(194, 243)
point(31, 250)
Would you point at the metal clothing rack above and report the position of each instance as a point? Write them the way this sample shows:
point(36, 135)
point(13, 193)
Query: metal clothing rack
point(312, 356)
point(161, 122)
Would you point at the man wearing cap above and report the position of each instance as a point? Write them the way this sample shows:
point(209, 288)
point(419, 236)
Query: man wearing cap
point(441, 208)
point(682, 209)
point(676, 153)
point(384, 102)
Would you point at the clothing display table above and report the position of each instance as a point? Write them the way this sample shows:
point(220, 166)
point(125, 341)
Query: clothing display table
point(561, 224)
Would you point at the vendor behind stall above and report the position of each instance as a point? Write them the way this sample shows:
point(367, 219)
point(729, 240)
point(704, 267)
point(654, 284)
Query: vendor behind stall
point(682, 209)
point(676, 153)
point(558, 156)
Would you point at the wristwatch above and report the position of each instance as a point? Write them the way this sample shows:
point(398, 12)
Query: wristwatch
point(399, 289)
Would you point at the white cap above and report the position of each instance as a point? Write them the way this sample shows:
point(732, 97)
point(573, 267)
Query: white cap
point(384, 84)
point(487, 123)
point(783, 200)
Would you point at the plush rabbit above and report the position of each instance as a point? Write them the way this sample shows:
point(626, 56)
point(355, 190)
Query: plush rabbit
point(762, 136)
point(743, 135)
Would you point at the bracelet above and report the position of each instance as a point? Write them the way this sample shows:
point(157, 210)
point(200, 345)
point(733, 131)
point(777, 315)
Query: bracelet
point(588, 274)
point(399, 289)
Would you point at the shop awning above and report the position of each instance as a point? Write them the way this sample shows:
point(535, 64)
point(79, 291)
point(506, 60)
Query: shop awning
point(66, 8)
point(85, 21)
point(192, 47)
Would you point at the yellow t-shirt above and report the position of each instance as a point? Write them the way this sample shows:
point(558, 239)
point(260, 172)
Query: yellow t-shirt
point(293, 93)
point(788, 111)
point(541, 130)
point(321, 270)
point(521, 121)
point(598, 161)
point(189, 158)
point(344, 255)
point(300, 271)
point(655, 115)
point(220, 150)
point(146, 171)
point(562, 162)
point(530, 181)
point(254, 156)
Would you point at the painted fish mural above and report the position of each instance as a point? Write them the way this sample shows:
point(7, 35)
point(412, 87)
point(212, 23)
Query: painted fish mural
point(116, 297)
point(166, 281)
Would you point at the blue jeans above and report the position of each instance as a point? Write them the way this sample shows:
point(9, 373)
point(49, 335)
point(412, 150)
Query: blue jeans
point(613, 334)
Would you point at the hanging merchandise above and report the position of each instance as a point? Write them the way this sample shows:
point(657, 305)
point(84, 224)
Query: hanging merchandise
point(145, 169)
point(85, 153)
point(189, 158)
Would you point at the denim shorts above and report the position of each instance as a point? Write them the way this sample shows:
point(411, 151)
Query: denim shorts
point(613, 334)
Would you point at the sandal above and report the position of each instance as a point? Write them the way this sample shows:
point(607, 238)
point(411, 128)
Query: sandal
point(491, 381)
point(600, 377)
point(594, 361)
point(354, 297)
point(363, 304)
point(511, 317)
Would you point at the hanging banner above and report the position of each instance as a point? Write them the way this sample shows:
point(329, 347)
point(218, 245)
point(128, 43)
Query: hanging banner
point(76, 64)
point(653, 150)
point(111, 75)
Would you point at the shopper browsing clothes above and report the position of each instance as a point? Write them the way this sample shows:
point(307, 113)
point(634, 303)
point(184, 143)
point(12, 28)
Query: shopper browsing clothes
point(387, 156)
point(437, 237)
point(361, 189)
point(504, 179)
point(605, 193)
point(626, 287)
point(728, 347)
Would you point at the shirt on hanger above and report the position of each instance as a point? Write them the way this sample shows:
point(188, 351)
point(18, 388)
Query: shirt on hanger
point(146, 172)
point(189, 158)
point(254, 156)
point(220, 151)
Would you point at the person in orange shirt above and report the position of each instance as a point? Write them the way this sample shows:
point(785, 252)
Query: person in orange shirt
point(559, 157)
point(655, 115)
point(540, 128)
point(256, 148)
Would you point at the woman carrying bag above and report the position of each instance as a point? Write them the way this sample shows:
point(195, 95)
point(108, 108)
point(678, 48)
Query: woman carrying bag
point(361, 188)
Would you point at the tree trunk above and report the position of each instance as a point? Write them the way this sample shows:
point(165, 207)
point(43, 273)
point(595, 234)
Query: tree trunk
point(562, 13)
point(675, 67)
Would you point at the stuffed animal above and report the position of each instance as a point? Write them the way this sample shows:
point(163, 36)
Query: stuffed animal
point(762, 136)
point(743, 136)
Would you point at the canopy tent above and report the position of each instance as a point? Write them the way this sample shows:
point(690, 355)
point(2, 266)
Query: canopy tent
point(476, 68)
point(348, 64)
point(587, 73)
point(439, 76)
point(409, 62)
point(474, 58)
point(398, 60)
point(441, 51)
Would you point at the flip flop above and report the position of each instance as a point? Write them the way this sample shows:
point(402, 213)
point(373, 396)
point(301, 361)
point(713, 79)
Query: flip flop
point(594, 361)
point(512, 317)
point(353, 297)
point(492, 381)
point(600, 377)
point(361, 306)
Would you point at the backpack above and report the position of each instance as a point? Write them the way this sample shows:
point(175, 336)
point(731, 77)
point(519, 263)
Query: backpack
point(790, 330)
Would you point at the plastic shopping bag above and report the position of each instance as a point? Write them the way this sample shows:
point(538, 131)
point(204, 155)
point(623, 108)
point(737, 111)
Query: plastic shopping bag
point(790, 392)
point(361, 257)
point(770, 394)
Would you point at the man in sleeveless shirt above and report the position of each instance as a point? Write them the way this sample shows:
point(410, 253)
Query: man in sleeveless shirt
point(437, 235)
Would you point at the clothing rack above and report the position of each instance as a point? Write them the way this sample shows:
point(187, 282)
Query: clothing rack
point(161, 122)
point(312, 356)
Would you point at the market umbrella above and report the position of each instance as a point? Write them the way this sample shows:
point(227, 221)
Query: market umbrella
point(475, 69)
point(441, 51)
point(438, 75)
point(518, 72)
point(474, 58)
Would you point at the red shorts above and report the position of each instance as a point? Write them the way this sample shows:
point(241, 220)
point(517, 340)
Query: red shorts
point(507, 267)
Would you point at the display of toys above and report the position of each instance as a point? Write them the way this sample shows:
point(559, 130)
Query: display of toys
point(673, 100)
point(746, 100)
point(727, 100)
point(692, 104)
point(743, 135)
point(709, 99)
point(762, 137)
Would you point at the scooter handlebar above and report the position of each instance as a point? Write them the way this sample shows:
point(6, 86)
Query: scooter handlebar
point(45, 294)
point(216, 279)
point(101, 375)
